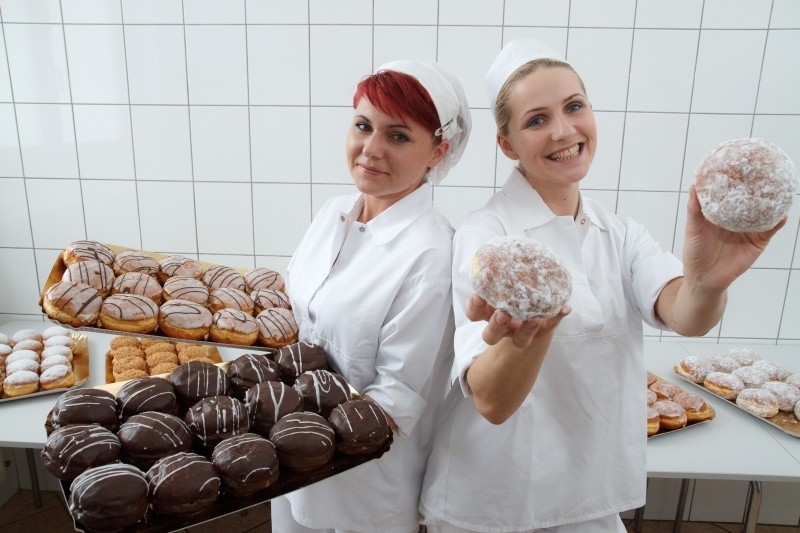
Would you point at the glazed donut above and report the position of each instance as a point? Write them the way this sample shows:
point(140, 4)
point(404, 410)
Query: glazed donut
point(277, 327)
point(652, 397)
point(786, 395)
point(129, 312)
point(521, 277)
point(744, 356)
point(696, 408)
point(230, 298)
point(137, 283)
point(135, 261)
point(651, 378)
point(21, 383)
point(759, 402)
point(232, 326)
point(57, 377)
point(263, 278)
point(665, 389)
point(184, 320)
point(87, 251)
point(220, 276)
point(55, 331)
point(93, 273)
point(751, 376)
point(723, 384)
point(24, 335)
point(653, 421)
point(177, 265)
point(185, 288)
point(269, 298)
point(745, 185)
point(71, 303)
point(671, 415)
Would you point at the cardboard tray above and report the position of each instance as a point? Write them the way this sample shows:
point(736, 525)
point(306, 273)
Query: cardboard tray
point(288, 481)
point(662, 432)
point(80, 368)
point(786, 422)
point(211, 352)
point(57, 272)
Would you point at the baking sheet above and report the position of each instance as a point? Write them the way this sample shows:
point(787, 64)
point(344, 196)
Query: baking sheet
point(57, 272)
point(662, 432)
point(786, 422)
point(211, 352)
point(80, 368)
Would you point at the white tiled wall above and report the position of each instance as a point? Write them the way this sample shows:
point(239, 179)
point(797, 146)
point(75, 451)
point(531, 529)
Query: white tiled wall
point(215, 128)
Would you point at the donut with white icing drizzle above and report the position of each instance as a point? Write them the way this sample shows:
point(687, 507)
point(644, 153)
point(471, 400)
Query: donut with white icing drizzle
point(216, 418)
point(149, 436)
point(258, 471)
point(322, 390)
point(108, 497)
point(360, 427)
point(182, 484)
point(70, 450)
point(268, 402)
point(303, 440)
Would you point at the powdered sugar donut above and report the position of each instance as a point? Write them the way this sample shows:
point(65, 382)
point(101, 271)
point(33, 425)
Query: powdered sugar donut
point(759, 402)
point(521, 277)
point(746, 185)
point(744, 356)
point(787, 395)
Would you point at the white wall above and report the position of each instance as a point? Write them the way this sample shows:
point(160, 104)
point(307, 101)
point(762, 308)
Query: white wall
point(215, 128)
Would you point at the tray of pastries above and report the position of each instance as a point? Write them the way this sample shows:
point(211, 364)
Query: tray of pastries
point(671, 408)
point(101, 287)
point(34, 363)
point(130, 357)
point(759, 387)
point(161, 453)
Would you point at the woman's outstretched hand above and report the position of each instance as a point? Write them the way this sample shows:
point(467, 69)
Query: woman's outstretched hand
point(500, 325)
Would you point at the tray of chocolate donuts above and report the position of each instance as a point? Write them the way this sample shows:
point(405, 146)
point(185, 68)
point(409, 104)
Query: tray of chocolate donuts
point(164, 453)
point(762, 388)
point(100, 287)
point(34, 363)
point(671, 408)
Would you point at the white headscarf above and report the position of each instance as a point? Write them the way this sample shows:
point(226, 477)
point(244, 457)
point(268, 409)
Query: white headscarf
point(513, 55)
point(451, 105)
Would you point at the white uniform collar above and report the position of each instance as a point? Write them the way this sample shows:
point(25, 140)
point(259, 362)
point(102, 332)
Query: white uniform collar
point(398, 217)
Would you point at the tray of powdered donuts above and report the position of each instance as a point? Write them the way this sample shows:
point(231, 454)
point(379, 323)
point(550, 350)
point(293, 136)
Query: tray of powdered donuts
point(161, 453)
point(34, 363)
point(103, 287)
point(670, 407)
point(762, 388)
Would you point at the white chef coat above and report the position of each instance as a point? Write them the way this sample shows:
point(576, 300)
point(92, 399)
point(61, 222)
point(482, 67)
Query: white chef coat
point(377, 298)
point(575, 449)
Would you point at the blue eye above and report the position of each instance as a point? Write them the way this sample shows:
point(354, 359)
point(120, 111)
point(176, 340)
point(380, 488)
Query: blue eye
point(535, 121)
point(575, 106)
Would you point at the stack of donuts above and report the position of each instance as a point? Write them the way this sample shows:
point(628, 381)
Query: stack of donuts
point(132, 291)
point(174, 447)
point(33, 361)
point(670, 407)
point(760, 387)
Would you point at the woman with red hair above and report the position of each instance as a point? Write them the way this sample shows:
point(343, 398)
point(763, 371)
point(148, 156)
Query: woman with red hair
point(370, 284)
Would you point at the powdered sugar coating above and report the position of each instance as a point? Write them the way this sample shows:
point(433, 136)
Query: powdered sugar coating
point(787, 395)
point(521, 277)
point(722, 363)
point(724, 384)
point(794, 381)
point(746, 185)
point(751, 376)
point(775, 371)
point(759, 402)
point(694, 368)
point(744, 356)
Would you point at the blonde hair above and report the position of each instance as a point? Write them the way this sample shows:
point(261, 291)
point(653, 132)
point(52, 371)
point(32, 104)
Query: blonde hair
point(502, 108)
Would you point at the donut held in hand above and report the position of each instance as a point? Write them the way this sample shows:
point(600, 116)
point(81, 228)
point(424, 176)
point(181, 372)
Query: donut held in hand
point(745, 185)
point(521, 277)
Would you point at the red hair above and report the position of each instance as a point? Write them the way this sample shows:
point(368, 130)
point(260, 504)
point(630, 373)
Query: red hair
point(400, 96)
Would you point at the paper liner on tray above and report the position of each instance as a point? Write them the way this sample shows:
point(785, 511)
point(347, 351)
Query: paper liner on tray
point(57, 272)
point(80, 369)
point(688, 425)
point(786, 422)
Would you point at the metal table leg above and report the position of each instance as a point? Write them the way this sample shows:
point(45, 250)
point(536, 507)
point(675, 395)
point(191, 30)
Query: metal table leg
point(753, 506)
point(37, 494)
point(638, 520)
point(676, 526)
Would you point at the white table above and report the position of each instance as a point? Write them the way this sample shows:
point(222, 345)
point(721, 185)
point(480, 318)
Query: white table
point(722, 448)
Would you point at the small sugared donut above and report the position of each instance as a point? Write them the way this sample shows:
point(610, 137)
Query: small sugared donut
point(71, 303)
point(196, 380)
point(248, 370)
point(5, 339)
point(54, 331)
point(5, 349)
point(751, 376)
point(521, 277)
point(135, 261)
point(25, 335)
point(744, 356)
point(794, 381)
point(322, 390)
point(53, 360)
point(131, 373)
point(93, 273)
point(696, 408)
point(177, 265)
point(277, 327)
point(268, 402)
point(263, 278)
point(269, 298)
point(722, 363)
point(119, 342)
point(59, 340)
point(232, 326)
point(87, 251)
point(775, 371)
point(300, 357)
point(216, 418)
point(245, 463)
point(64, 351)
point(129, 312)
point(745, 185)
point(57, 377)
point(797, 410)
point(759, 402)
point(653, 421)
point(183, 319)
point(185, 288)
point(360, 427)
point(671, 414)
point(787, 395)
point(137, 283)
point(23, 354)
point(108, 498)
point(21, 383)
point(221, 276)
point(303, 440)
point(29, 365)
point(182, 484)
point(665, 389)
point(159, 358)
point(723, 384)
point(30, 344)
point(231, 299)
point(86, 406)
point(70, 450)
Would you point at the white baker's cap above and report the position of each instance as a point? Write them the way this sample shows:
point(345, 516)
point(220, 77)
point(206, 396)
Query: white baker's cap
point(451, 105)
point(511, 57)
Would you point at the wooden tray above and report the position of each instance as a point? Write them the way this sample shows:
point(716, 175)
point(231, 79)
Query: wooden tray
point(689, 425)
point(80, 368)
point(57, 272)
